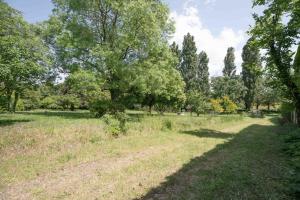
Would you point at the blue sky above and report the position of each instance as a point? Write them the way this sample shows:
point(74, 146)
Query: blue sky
point(216, 24)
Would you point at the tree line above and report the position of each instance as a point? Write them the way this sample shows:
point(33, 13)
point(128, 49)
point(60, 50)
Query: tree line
point(114, 55)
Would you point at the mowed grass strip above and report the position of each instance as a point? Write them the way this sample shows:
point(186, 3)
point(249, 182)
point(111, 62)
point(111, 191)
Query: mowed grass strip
point(72, 157)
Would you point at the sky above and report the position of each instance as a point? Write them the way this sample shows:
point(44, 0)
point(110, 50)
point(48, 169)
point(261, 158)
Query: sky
point(215, 24)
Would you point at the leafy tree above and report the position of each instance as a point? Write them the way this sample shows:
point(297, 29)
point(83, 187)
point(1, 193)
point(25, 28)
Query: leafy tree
point(277, 33)
point(161, 83)
point(251, 69)
point(232, 87)
point(197, 102)
point(188, 61)
point(22, 55)
point(202, 74)
point(229, 65)
point(113, 38)
point(177, 53)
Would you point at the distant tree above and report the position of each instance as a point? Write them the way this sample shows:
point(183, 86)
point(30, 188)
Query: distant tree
point(22, 55)
point(177, 53)
point(251, 69)
point(197, 102)
point(232, 87)
point(202, 74)
point(189, 61)
point(229, 65)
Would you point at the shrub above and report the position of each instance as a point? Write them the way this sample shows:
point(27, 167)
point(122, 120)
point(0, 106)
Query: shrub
point(216, 105)
point(116, 124)
point(167, 125)
point(228, 105)
point(20, 105)
point(292, 149)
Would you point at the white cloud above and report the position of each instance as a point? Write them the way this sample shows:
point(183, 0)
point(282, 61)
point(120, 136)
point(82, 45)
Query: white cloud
point(215, 46)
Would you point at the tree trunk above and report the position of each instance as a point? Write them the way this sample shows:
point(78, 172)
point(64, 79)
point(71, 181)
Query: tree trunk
point(150, 109)
point(8, 99)
point(15, 101)
point(268, 107)
point(257, 106)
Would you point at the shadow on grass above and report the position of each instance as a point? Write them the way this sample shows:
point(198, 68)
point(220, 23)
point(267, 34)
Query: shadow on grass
point(207, 133)
point(10, 122)
point(249, 166)
point(63, 114)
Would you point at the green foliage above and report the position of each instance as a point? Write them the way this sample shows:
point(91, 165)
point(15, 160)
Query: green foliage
point(197, 102)
point(278, 34)
point(251, 71)
point(188, 61)
point(117, 49)
point(22, 54)
point(50, 102)
point(202, 74)
point(229, 66)
point(167, 125)
point(232, 87)
point(292, 149)
point(116, 124)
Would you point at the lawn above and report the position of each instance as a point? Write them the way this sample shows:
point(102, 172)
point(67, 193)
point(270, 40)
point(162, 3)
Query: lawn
point(70, 155)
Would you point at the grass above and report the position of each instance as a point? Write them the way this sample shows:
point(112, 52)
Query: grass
point(69, 155)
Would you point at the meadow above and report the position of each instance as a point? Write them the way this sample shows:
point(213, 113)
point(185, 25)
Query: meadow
point(71, 155)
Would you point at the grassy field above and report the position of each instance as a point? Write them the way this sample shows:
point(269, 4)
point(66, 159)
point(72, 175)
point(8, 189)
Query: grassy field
point(64, 155)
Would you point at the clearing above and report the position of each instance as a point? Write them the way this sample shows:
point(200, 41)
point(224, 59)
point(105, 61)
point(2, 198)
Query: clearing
point(64, 155)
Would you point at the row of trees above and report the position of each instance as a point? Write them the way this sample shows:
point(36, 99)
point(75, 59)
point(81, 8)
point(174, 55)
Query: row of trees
point(115, 55)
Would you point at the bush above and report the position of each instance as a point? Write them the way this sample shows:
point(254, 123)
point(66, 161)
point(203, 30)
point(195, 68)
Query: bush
point(116, 124)
point(286, 109)
point(292, 149)
point(216, 105)
point(228, 105)
point(20, 105)
point(167, 125)
point(50, 103)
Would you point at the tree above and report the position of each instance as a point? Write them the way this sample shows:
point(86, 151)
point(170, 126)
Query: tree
point(251, 69)
point(177, 53)
point(113, 38)
point(160, 82)
point(278, 34)
point(232, 87)
point(202, 74)
point(229, 66)
point(188, 61)
point(197, 102)
point(22, 55)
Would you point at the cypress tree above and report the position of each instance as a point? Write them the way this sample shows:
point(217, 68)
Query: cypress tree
point(229, 66)
point(251, 68)
point(202, 74)
point(188, 61)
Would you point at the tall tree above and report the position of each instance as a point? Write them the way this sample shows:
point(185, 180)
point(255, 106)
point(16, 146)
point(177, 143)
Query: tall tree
point(202, 74)
point(177, 53)
point(189, 61)
point(278, 34)
point(229, 65)
point(114, 38)
point(232, 87)
point(22, 55)
point(251, 69)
